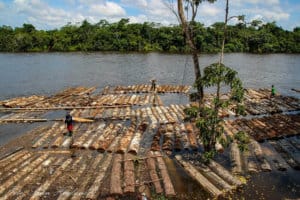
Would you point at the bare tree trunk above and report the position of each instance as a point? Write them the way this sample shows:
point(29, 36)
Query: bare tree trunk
point(225, 31)
point(189, 40)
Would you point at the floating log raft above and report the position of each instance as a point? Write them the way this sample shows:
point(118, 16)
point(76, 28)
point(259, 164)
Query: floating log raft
point(268, 127)
point(147, 89)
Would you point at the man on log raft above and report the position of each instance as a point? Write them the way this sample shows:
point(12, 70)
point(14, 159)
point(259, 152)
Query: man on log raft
point(273, 91)
point(69, 124)
point(153, 85)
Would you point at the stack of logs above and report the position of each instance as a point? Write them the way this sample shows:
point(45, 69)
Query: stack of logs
point(54, 175)
point(119, 137)
point(268, 127)
point(146, 89)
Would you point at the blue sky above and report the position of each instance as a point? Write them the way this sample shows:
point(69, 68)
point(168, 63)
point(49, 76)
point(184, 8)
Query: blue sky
point(50, 14)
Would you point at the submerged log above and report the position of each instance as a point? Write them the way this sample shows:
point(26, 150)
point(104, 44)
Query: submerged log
point(223, 173)
point(235, 157)
point(274, 158)
point(153, 173)
point(255, 147)
point(168, 185)
point(196, 175)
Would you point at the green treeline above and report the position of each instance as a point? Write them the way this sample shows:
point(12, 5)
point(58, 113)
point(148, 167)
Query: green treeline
point(146, 37)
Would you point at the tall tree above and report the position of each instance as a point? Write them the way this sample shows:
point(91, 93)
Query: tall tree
point(188, 29)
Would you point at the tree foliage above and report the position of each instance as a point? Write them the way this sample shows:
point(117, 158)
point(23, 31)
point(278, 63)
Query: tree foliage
point(253, 37)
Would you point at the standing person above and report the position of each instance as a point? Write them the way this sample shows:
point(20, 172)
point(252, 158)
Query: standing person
point(69, 124)
point(273, 91)
point(153, 85)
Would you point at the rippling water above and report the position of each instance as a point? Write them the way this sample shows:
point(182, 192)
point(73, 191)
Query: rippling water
point(46, 73)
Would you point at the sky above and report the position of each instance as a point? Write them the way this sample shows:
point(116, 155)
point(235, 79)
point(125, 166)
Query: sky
point(52, 14)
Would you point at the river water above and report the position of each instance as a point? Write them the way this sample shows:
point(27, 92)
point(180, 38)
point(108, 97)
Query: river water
point(47, 73)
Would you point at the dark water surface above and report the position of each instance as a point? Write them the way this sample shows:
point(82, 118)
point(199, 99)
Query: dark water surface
point(47, 73)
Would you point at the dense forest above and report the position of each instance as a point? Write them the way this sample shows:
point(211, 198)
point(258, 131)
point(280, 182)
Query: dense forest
point(254, 37)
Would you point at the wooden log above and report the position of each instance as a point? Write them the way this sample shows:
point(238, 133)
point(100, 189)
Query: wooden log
point(135, 143)
point(17, 189)
point(116, 176)
point(291, 151)
point(235, 158)
point(94, 191)
point(168, 141)
point(126, 139)
point(191, 136)
point(110, 137)
point(168, 185)
point(21, 173)
point(101, 138)
point(17, 168)
point(14, 162)
point(80, 140)
point(81, 189)
point(185, 139)
point(172, 113)
point(214, 178)
point(11, 153)
point(68, 192)
point(114, 144)
point(250, 162)
point(178, 146)
point(196, 175)
point(223, 173)
point(155, 146)
point(255, 147)
point(168, 116)
point(274, 158)
point(153, 173)
point(38, 193)
point(41, 140)
point(129, 175)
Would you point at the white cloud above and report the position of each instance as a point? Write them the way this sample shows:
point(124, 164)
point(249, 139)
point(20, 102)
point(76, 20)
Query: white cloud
point(209, 10)
point(135, 3)
point(264, 2)
point(271, 14)
point(138, 19)
point(107, 9)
